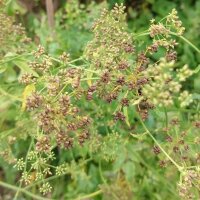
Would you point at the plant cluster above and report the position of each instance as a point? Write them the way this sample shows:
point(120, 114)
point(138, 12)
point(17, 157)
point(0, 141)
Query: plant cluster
point(11, 33)
point(117, 85)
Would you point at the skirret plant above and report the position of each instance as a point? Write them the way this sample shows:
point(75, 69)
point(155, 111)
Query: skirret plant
point(116, 84)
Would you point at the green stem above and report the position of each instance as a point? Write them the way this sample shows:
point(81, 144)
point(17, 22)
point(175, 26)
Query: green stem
point(9, 95)
point(72, 61)
point(87, 79)
point(100, 173)
point(166, 116)
point(12, 187)
point(75, 60)
point(175, 34)
point(26, 160)
point(187, 41)
point(5, 60)
point(141, 34)
point(53, 177)
point(89, 195)
point(166, 154)
point(82, 68)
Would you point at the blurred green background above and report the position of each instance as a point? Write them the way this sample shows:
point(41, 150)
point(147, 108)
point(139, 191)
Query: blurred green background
point(71, 32)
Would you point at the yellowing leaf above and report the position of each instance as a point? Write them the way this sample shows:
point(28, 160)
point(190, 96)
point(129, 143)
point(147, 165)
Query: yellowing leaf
point(27, 91)
point(89, 77)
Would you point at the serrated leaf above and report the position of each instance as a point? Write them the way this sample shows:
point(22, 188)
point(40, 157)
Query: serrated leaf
point(27, 92)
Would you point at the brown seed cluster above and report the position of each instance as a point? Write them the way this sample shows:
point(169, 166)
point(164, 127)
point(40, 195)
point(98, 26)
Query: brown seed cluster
point(119, 116)
point(64, 140)
point(46, 119)
point(53, 85)
point(41, 65)
point(156, 150)
point(54, 109)
point(190, 178)
point(34, 101)
point(113, 77)
point(27, 78)
point(83, 137)
point(64, 103)
point(197, 124)
point(143, 108)
point(12, 36)
point(178, 142)
point(43, 144)
point(171, 55)
point(158, 29)
point(65, 57)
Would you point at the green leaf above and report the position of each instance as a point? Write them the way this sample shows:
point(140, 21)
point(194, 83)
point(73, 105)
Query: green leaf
point(24, 67)
point(3, 68)
point(29, 89)
point(89, 77)
point(126, 115)
point(196, 96)
point(197, 69)
point(129, 170)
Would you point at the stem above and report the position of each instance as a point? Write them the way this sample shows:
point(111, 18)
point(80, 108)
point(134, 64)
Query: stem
point(53, 177)
point(187, 41)
point(82, 68)
point(87, 79)
point(12, 187)
point(13, 58)
point(167, 155)
point(140, 34)
point(90, 195)
point(10, 95)
point(74, 66)
point(100, 173)
point(50, 13)
point(166, 116)
point(75, 60)
point(72, 61)
point(175, 34)
point(18, 191)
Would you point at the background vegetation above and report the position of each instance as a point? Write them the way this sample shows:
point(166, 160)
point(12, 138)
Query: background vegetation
point(123, 164)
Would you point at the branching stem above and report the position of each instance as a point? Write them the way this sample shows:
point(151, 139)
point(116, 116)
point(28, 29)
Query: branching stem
point(12, 187)
point(89, 195)
point(175, 34)
point(166, 154)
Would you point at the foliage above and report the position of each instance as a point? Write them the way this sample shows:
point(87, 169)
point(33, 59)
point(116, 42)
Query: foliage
point(97, 111)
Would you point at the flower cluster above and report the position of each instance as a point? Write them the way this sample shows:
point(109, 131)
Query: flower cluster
point(10, 33)
point(178, 142)
point(113, 72)
point(53, 101)
point(109, 55)
point(165, 84)
point(111, 43)
point(189, 178)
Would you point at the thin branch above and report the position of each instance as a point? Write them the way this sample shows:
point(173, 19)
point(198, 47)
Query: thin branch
point(180, 168)
point(12, 187)
point(89, 195)
point(187, 41)
point(50, 13)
